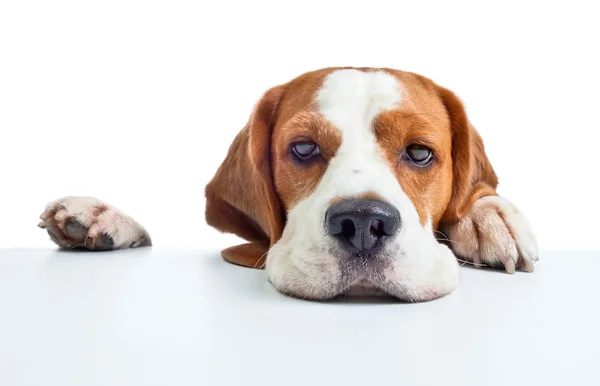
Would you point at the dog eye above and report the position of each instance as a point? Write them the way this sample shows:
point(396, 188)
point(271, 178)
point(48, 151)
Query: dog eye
point(305, 150)
point(419, 154)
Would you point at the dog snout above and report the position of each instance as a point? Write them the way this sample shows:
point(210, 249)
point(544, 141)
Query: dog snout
point(361, 225)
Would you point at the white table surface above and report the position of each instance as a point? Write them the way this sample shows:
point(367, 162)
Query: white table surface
point(185, 317)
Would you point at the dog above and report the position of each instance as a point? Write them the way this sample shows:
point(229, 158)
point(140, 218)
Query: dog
point(345, 181)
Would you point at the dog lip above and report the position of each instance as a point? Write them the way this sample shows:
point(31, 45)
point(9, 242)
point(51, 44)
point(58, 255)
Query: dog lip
point(364, 287)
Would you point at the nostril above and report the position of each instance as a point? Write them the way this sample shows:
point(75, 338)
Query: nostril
point(384, 226)
point(377, 228)
point(348, 228)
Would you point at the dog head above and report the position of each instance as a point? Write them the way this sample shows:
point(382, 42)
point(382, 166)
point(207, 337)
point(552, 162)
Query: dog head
point(341, 178)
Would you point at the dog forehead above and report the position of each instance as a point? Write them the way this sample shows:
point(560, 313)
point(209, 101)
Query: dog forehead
point(361, 91)
point(351, 99)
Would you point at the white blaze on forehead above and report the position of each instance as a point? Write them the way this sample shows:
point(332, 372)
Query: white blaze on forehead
point(351, 99)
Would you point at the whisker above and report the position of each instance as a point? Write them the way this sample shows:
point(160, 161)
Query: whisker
point(441, 233)
point(284, 239)
point(451, 241)
point(446, 238)
point(457, 243)
point(474, 264)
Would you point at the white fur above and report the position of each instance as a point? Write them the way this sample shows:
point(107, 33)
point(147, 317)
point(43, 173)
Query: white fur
point(302, 262)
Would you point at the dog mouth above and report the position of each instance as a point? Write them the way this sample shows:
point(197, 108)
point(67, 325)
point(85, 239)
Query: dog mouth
point(365, 288)
point(335, 274)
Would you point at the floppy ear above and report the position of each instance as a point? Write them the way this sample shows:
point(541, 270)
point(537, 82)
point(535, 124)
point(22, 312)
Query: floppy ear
point(473, 175)
point(241, 197)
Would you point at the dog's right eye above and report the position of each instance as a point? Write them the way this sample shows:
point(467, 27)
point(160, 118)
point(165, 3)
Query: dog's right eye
point(305, 150)
point(419, 155)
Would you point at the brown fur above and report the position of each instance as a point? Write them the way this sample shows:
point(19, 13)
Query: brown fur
point(473, 175)
point(241, 198)
point(293, 180)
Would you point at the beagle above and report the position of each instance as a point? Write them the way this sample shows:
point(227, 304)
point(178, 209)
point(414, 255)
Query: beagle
point(345, 181)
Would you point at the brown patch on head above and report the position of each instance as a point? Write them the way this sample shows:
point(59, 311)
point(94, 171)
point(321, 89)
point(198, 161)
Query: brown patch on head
point(428, 187)
point(421, 119)
point(300, 120)
point(434, 117)
point(296, 179)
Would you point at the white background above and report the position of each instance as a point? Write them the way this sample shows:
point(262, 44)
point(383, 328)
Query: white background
point(136, 102)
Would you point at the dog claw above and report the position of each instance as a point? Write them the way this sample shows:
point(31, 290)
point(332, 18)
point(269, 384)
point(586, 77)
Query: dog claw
point(528, 266)
point(509, 265)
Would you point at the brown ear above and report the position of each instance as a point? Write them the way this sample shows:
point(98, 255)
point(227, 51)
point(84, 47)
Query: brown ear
point(473, 175)
point(241, 197)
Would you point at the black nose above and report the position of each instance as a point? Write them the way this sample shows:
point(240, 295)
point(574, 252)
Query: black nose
point(359, 225)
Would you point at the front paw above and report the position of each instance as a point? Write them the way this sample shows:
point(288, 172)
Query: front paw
point(89, 223)
point(494, 233)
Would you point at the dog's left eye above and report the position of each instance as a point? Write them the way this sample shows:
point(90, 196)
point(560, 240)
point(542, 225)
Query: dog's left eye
point(419, 154)
point(305, 150)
